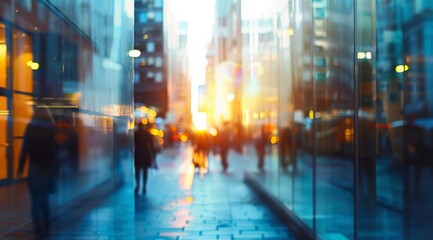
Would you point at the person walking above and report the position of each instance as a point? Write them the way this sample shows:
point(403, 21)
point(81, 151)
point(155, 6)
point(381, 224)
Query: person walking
point(260, 147)
point(40, 148)
point(225, 142)
point(144, 157)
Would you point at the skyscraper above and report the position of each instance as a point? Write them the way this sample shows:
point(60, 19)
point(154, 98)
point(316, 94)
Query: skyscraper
point(150, 82)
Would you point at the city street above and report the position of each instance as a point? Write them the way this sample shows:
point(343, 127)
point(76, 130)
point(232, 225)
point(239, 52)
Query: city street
point(180, 203)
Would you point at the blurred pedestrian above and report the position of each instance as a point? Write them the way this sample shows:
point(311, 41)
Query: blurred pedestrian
point(260, 147)
point(285, 147)
point(224, 142)
point(40, 148)
point(144, 157)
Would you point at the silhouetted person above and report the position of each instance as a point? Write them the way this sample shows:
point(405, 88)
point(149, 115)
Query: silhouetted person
point(144, 157)
point(40, 148)
point(260, 146)
point(224, 142)
point(285, 145)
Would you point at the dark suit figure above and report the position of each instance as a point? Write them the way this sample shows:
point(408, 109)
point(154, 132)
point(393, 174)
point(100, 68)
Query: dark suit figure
point(144, 156)
point(224, 145)
point(40, 148)
point(260, 146)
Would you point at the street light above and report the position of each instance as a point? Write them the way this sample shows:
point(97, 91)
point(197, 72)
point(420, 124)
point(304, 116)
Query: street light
point(134, 53)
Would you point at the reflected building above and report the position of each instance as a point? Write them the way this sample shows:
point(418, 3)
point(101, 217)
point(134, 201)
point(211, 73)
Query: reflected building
point(224, 71)
point(178, 82)
point(353, 113)
point(150, 80)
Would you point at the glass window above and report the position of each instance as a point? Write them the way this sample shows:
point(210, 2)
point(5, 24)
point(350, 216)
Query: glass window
point(4, 114)
point(151, 61)
point(158, 77)
point(3, 56)
point(159, 3)
point(23, 67)
point(151, 16)
point(150, 47)
point(158, 62)
point(158, 17)
point(23, 64)
point(142, 17)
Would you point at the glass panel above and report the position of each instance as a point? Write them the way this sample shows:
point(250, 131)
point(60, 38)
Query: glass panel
point(4, 114)
point(366, 122)
point(23, 64)
point(150, 47)
point(71, 57)
point(22, 113)
point(404, 113)
point(380, 125)
point(286, 145)
point(333, 118)
point(300, 31)
point(3, 56)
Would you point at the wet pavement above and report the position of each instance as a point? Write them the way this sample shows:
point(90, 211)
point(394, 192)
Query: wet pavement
point(180, 203)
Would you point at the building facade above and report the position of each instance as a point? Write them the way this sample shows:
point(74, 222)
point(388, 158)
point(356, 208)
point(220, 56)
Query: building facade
point(150, 80)
point(69, 57)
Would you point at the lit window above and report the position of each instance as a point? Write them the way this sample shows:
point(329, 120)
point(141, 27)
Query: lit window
point(158, 17)
point(150, 47)
point(158, 77)
point(158, 62)
point(158, 3)
point(142, 17)
point(151, 16)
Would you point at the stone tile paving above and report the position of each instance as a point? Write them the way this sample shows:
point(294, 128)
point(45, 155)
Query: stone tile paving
point(180, 203)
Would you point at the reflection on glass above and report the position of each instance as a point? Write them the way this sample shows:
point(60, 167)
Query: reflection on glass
point(23, 85)
point(3, 56)
point(4, 114)
point(58, 60)
point(388, 126)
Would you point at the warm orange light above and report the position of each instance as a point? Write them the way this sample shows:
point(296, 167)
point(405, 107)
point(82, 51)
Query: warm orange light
point(154, 131)
point(274, 139)
point(189, 199)
point(311, 114)
point(183, 137)
point(401, 68)
point(213, 132)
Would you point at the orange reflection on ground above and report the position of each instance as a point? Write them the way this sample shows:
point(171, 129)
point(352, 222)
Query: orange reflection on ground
point(186, 176)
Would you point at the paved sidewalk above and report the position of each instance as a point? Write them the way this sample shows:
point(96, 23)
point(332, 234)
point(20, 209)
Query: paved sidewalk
point(180, 204)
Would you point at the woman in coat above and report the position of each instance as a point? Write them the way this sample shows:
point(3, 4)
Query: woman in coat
point(144, 156)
